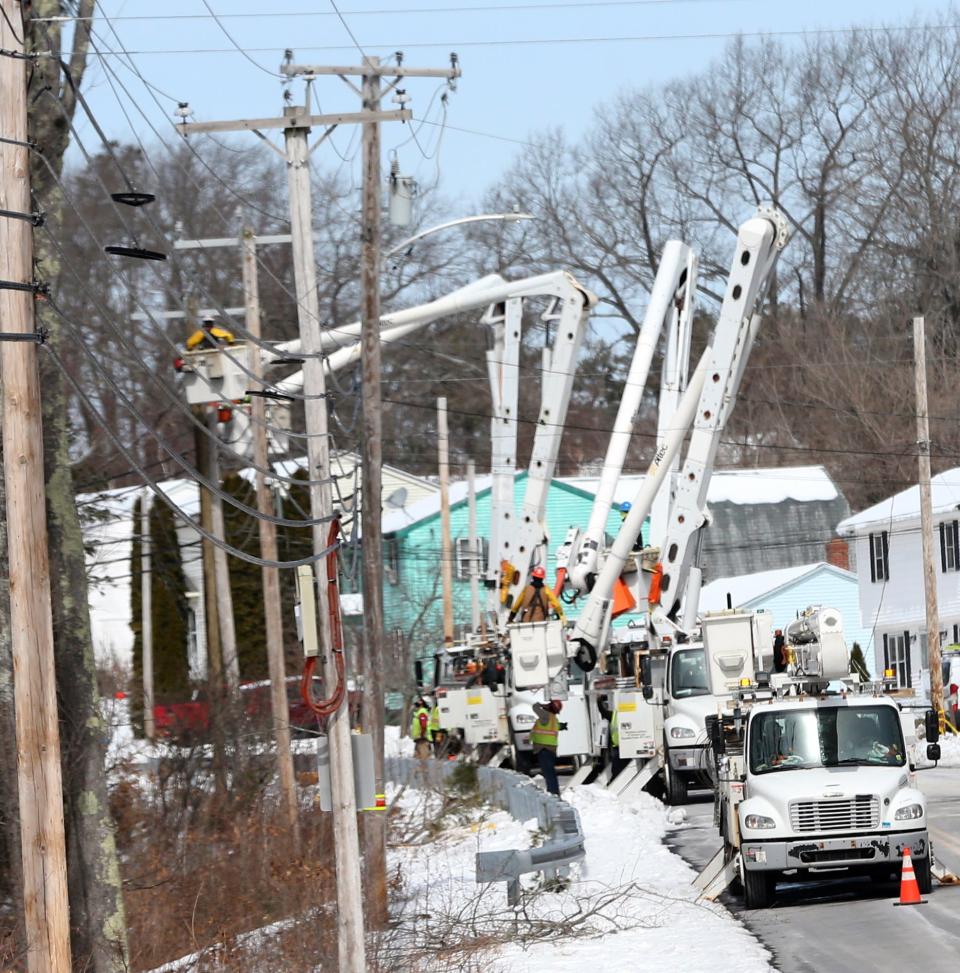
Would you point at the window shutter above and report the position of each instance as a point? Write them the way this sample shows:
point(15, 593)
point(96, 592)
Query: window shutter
point(956, 546)
point(906, 654)
point(873, 564)
point(943, 547)
point(886, 653)
point(886, 557)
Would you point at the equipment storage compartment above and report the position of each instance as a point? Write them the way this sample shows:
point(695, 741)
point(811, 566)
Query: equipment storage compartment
point(635, 724)
point(537, 652)
point(482, 718)
point(728, 642)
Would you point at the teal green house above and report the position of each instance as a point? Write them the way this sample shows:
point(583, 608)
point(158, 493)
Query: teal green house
point(412, 589)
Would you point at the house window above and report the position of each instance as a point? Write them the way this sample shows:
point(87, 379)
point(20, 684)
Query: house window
point(879, 557)
point(463, 557)
point(950, 546)
point(896, 656)
point(391, 559)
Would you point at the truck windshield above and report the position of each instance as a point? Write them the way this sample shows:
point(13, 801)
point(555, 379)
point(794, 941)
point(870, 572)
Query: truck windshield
point(830, 737)
point(688, 674)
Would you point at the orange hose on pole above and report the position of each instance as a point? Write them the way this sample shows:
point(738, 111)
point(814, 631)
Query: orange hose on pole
point(329, 706)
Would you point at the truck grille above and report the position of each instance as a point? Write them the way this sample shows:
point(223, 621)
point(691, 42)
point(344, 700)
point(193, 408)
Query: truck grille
point(850, 814)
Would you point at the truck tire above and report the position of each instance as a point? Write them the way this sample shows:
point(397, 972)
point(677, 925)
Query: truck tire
point(524, 761)
point(758, 888)
point(924, 872)
point(675, 786)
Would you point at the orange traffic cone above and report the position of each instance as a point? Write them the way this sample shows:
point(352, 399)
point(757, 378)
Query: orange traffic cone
point(909, 890)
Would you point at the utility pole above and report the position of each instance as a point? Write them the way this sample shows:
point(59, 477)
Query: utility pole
point(273, 620)
point(211, 611)
point(370, 92)
point(474, 543)
point(248, 243)
point(446, 545)
point(39, 782)
point(146, 615)
point(926, 517)
point(221, 568)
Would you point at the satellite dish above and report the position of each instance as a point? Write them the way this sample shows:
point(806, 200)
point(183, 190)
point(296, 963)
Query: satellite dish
point(398, 498)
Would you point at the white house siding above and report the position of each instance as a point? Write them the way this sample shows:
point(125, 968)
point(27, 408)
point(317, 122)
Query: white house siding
point(897, 606)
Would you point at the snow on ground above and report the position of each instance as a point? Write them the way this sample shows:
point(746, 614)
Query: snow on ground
point(950, 751)
point(646, 904)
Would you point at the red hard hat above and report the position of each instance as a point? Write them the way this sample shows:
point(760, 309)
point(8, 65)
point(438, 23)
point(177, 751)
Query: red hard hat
point(556, 705)
point(538, 572)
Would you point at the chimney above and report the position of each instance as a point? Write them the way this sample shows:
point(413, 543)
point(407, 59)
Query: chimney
point(838, 554)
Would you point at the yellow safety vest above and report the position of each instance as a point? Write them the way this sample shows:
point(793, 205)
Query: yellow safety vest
point(434, 723)
point(614, 730)
point(544, 732)
point(415, 731)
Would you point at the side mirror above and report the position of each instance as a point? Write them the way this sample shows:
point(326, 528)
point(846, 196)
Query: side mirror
point(931, 725)
point(714, 729)
point(646, 677)
point(933, 752)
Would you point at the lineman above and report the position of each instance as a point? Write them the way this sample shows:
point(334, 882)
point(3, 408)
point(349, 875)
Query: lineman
point(533, 604)
point(543, 737)
point(420, 729)
point(437, 734)
point(210, 334)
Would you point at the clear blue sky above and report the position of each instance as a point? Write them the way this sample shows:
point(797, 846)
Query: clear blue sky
point(554, 78)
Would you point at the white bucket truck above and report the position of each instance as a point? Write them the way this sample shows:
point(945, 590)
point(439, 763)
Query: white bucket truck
point(808, 781)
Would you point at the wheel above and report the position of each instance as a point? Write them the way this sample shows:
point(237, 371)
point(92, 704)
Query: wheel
point(758, 888)
point(923, 870)
point(675, 785)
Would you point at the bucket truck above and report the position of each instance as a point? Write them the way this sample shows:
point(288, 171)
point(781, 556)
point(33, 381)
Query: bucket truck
point(705, 405)
point(808, 781)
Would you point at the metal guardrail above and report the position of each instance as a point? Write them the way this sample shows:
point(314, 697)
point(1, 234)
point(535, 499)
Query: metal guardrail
point(523, 800)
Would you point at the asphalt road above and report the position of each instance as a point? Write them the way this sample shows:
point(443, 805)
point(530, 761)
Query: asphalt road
point(850, 923)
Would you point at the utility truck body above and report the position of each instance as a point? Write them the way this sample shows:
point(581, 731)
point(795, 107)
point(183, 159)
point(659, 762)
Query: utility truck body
point(809, 781)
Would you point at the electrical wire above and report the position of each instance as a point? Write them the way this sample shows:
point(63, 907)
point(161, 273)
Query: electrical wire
point(573, 41)
point(230, 37)
point(155, 488)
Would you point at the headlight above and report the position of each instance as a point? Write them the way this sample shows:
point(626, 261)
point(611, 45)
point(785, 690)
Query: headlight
point(682, 733)
point(524, 719)
point(757, 822)
point(909, 813)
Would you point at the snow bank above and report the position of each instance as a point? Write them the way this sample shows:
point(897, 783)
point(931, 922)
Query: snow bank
point(950, 751)
point(394, 745)
point(646, 911)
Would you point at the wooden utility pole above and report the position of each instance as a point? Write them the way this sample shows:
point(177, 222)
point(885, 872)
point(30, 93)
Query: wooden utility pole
point(375, 831)
point(221, 567)
point(146, 615)
point(446, 545)
point(370, 74)
point(40, 790)
point(268, 548)
point(926, 518)
point(211, 612)
point(474, 543)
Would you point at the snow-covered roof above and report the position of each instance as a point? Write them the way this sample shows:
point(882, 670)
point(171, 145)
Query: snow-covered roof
point(905, 506)
point(747, 587)
point(741, 486)
point(394, 520)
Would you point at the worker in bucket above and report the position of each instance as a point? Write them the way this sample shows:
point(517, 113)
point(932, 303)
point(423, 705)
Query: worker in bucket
point(543, 738)
point(535, 602)
point(209, 335)
point(420, 729)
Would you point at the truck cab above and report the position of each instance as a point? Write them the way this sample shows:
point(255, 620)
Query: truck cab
point(687, 703)
point(818, 783)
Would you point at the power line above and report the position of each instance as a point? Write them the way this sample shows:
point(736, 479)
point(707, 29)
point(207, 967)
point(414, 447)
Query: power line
point(571, 41)
point(230, 37)
point(494, 8)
